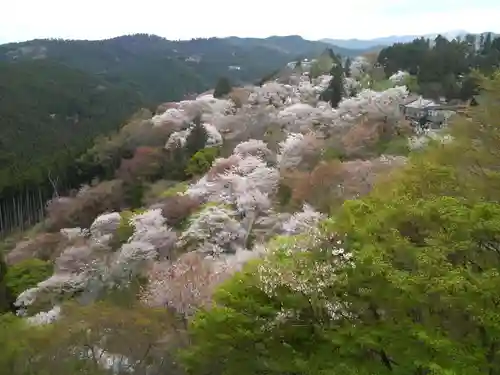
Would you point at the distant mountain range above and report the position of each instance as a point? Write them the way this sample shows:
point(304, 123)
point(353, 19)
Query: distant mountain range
point(160, 69)
point(389, 40)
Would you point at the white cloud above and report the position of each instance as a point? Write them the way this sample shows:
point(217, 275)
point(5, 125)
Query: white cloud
point(96, 19)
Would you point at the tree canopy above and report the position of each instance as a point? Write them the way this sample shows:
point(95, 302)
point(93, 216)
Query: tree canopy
point(443, 67)
point(403, 281)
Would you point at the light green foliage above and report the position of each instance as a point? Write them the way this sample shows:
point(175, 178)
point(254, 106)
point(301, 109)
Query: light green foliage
point(175, 190)
point(422, 294)
point(143, 335)
point(248, 327)
point(201, 162)
point(125, 230)
point(332, 153)
point(395, 146)
point(21, 344)
point(382, 85)
point(411, 82)
point(422, 297)
point(366, 81)
point(27, 274)
point(14, 336)
point(322, 65)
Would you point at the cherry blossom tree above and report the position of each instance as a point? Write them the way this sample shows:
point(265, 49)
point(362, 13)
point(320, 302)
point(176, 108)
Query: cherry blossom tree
point(184, 285)
point(145, 163)
point(296, 149)
point(214, 230)
point(92, 268)
point(244, 181)
point(302, 221)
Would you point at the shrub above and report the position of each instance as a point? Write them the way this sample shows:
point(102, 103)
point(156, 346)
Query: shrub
point(44, 246)
point(284, 194)
point(239, 96)
point(125, 230)
point(201, 162)
point(176, 209)
point(154, 191)
point(175, 190)
point(397, 146)
point(332, 153)
point(81, 210)
point(26, 275)
point(146, 163)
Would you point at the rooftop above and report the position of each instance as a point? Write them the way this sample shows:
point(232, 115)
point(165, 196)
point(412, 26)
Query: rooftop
point(421, 103)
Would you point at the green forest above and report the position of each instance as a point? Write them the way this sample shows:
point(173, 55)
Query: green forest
point(50, 114)
point(440, 67)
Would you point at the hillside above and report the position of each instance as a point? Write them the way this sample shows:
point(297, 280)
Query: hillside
point(215, 176)
point(161, 70)
point(57, 95)
point(300, 226)
point(49, 113)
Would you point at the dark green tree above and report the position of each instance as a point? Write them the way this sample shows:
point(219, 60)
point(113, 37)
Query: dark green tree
point(196, 140)
point(443, 66)
point(347, 67)
point(5, 296)
point(335, 91)
point(222, 88)
point(175, 169)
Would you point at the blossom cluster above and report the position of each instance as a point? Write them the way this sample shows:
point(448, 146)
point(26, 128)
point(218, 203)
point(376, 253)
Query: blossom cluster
point(214, 230)
point(89, 268)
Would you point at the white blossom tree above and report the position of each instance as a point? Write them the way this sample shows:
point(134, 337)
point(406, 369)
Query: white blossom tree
point(92, 267)
point(184, 285)
point(295, 148)
point(180, 137)
point(253, 147)
point(302, 221)
point(246, 183)
point(289, 268)
point(214, 230)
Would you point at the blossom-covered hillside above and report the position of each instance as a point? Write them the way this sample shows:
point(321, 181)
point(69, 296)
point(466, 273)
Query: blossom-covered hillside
point(205, 185)
point(278, 139)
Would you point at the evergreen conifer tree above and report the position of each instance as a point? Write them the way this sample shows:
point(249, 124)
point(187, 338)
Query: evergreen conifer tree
point(222, 88)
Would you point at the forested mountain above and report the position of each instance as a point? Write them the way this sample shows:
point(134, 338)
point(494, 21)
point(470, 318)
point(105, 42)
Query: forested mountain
point(161, 70)
point(58, 95)
point(50, 112)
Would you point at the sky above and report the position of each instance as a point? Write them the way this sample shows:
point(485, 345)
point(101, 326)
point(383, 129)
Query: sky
point(184, 19)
